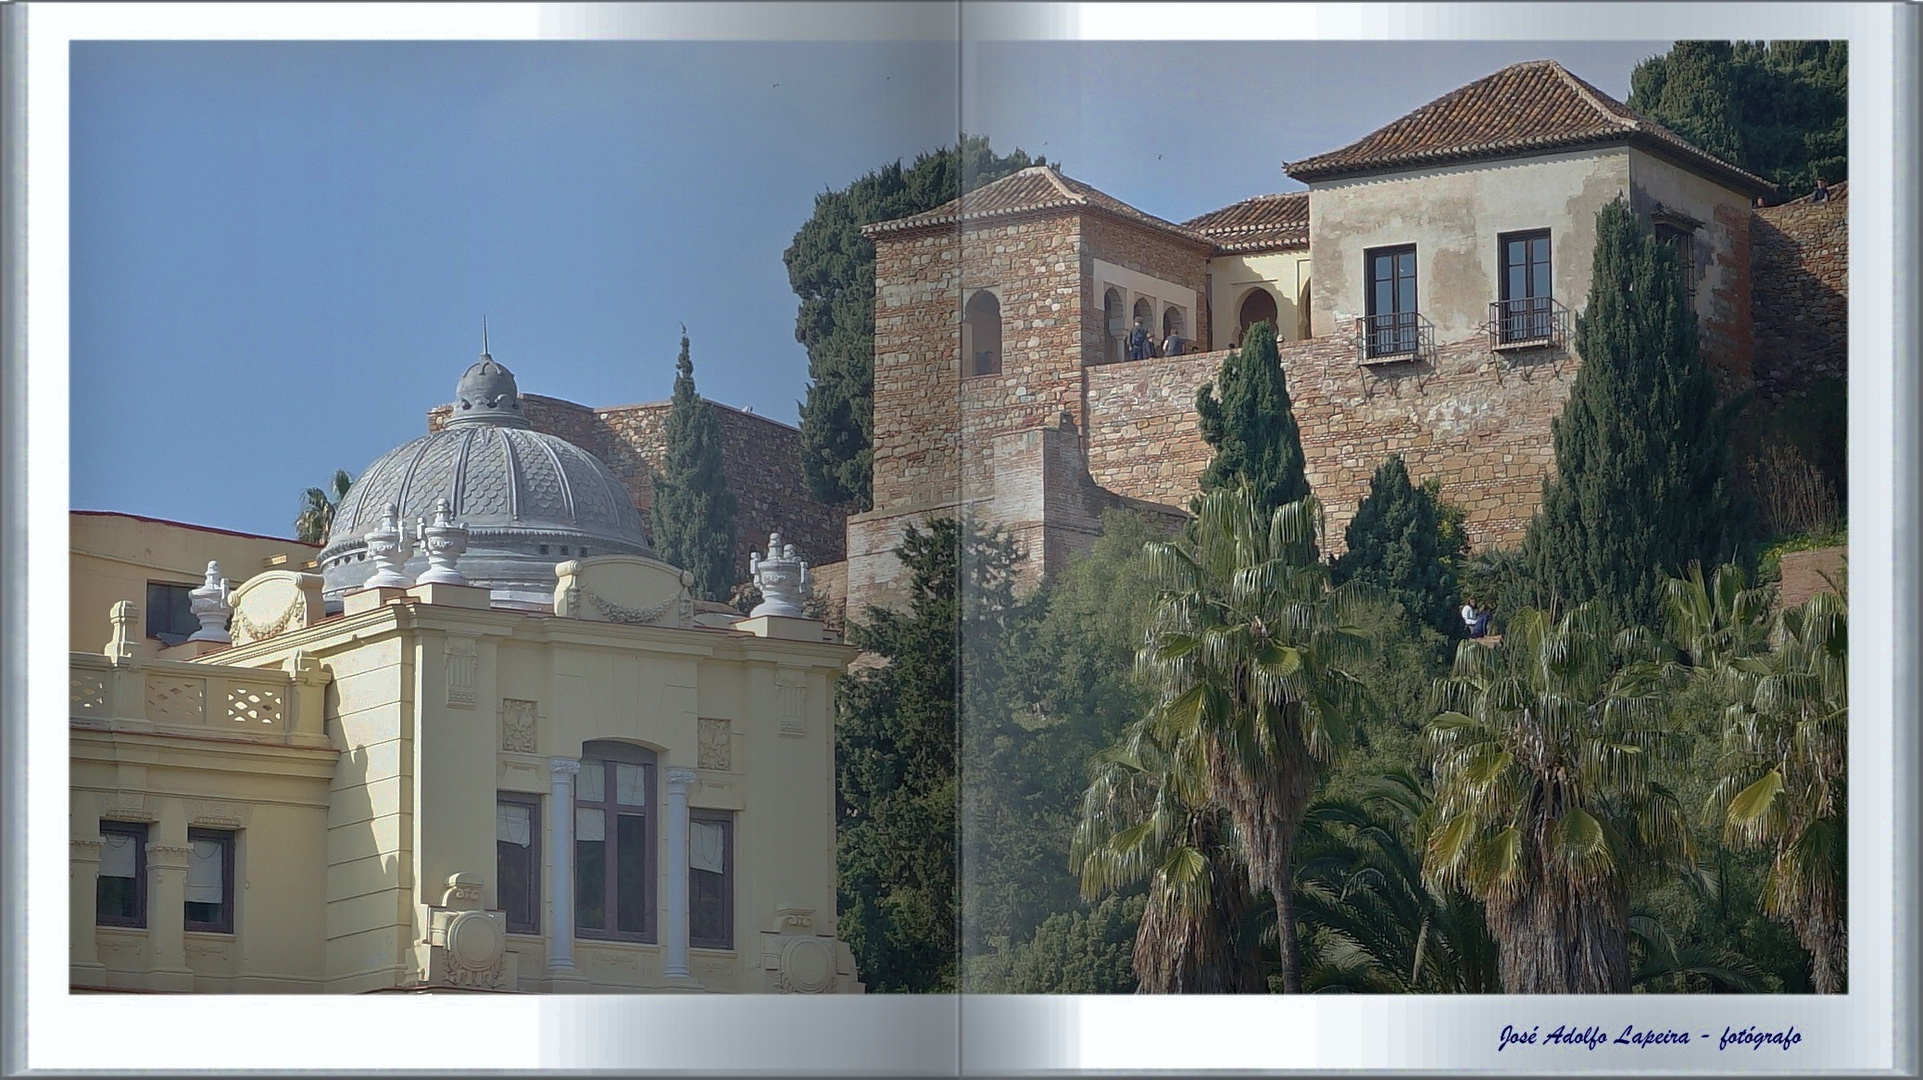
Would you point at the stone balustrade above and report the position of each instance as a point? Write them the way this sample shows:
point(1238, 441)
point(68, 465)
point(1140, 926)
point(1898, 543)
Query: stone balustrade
point(256, 704)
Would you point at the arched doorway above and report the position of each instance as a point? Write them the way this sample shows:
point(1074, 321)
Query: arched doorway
point(982, 334)
point(1257, 306)
point(1174, 328)
point(1114, 329)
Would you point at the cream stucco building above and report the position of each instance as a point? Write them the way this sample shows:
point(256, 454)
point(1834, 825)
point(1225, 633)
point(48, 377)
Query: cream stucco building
point(516, 756)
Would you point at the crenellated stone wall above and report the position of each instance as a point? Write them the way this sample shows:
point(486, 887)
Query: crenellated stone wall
point(762, 458)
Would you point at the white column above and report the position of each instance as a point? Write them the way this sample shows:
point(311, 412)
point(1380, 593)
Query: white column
point(561, 859)
point(674, 911)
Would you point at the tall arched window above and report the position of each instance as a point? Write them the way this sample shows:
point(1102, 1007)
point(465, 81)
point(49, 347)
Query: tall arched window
point(1115, 326)
point(1257, 306)
point(982, 334)
point(1173, 323)
point(614, 831)
point(1144, 313)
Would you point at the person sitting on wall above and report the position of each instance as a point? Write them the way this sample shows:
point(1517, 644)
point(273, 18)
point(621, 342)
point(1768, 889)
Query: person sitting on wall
point(1174, 345)
point(1822, 192)
point(1474, 620)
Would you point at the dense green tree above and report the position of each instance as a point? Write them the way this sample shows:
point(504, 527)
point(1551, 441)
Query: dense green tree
point(1372, 924)
point(1249, 653)
point(1072, 952)
point(318, 506)
point(831, 267)
point(1055, 690)
point(1778, 109)
point(895, 756)
point(1246, 418)
point(1783, 782)
point(1640, 486)
point(1549, 803)
point(693, 510)
point(1399, 542)
point(1148, 818)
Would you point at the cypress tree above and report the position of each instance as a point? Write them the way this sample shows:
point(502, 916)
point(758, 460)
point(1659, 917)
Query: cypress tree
point(1641, 485)
point(1399, 542)
point(831, 268)
point(1245, 415)
point(693, 510)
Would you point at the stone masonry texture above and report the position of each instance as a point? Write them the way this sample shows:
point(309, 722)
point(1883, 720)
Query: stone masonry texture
point(1800, 253)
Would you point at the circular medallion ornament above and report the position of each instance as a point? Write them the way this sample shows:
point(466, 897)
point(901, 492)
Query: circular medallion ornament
point(474, 941)
point(808, 965)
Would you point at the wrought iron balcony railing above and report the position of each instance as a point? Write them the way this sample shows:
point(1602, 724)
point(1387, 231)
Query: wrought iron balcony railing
point(1531, 322)
point(1394, 338)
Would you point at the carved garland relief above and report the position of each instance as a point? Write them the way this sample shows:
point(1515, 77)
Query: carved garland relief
point(518, 725)
point(717, 744)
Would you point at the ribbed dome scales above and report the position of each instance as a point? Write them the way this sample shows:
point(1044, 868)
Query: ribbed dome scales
point(528, 499)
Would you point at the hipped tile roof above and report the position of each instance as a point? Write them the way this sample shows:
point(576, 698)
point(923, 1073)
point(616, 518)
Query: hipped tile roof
point(1277, 222)
point(1036, 189)
point(1524, 108)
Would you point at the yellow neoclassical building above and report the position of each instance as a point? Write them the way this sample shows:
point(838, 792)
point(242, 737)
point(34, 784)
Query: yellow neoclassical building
point(482, 739)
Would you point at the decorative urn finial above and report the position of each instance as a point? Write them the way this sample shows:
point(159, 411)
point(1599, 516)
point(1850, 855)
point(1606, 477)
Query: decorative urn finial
point(389, 547)
point(783, 579)
point(210, 605)
point(445, 542)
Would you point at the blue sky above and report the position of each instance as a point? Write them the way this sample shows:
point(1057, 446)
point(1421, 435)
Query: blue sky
point(281, 252)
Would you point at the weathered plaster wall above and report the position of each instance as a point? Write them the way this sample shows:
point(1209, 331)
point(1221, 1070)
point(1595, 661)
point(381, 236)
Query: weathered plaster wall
point(1721, 253)
point(1233, 277)
point(1453, 216)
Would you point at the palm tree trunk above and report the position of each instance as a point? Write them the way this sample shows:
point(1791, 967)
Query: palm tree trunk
point(1824, 936)
point(1283, 888)
point(1557, 940)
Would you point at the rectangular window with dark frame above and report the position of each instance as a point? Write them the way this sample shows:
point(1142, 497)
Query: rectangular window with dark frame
point(210, 881)
point(1392, 320)
point(614, 843)
point(120, 897)
point(711, 879)
point(517, 860)
point(1526, 303)
point(1683, 242)
point(170, 612)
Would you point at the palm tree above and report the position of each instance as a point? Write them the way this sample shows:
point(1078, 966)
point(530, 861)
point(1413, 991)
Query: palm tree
point(1783, 783)
point(1716, 621)
point(1245, 653)
point(1373, 924)
point(1146, 817)
point(317, 508)
point(1547, 805)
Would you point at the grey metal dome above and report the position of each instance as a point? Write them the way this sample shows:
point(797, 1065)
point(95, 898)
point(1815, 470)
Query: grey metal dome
point(529, 499)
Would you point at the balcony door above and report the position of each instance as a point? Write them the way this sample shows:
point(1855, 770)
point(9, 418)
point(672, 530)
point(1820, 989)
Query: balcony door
point(1526, 311)
point(1392, 301)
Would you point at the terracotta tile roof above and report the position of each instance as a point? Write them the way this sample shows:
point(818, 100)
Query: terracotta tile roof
point(1277, 222)
point(1524, 108)
point(1036, 189)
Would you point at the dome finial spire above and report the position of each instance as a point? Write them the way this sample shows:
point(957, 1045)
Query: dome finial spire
point(484, 335)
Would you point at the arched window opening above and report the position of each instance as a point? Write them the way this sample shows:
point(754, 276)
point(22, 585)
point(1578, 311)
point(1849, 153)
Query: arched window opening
point(1115, 328)
point(1174, 332)
point(1257, 306)
point(1141, 342)
point(614, 842)
point(1302, 312)
point(982, 334)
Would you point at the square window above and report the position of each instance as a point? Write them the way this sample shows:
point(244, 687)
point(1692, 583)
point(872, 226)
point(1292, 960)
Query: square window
point(210, 881)
point(170, 612)
point(120, 897)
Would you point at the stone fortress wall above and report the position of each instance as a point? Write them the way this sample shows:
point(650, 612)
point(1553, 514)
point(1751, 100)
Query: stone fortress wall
point(1800, 307)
